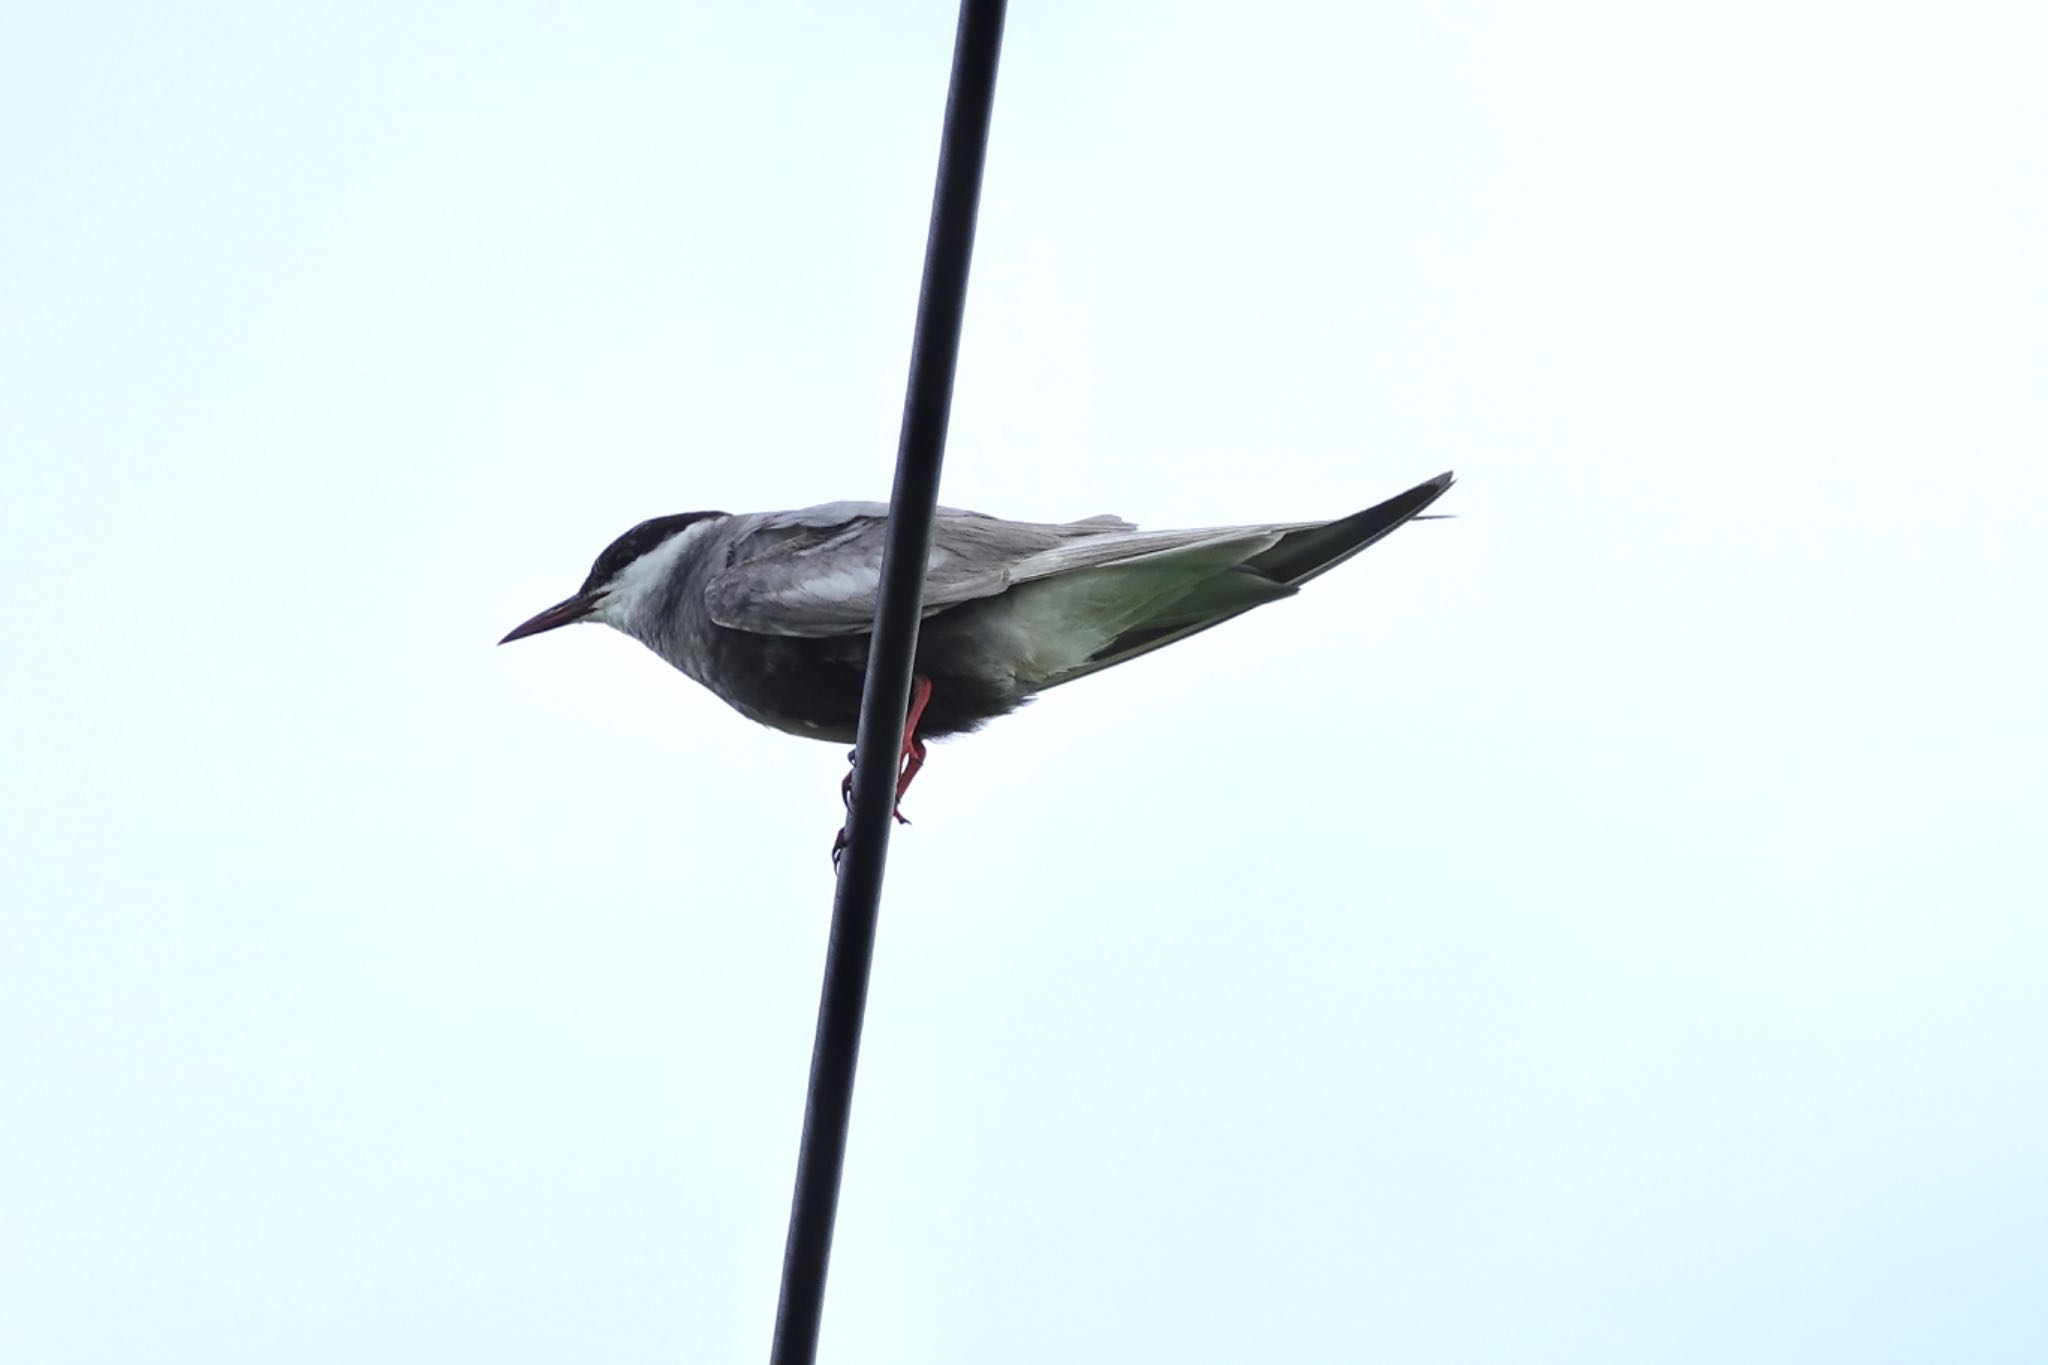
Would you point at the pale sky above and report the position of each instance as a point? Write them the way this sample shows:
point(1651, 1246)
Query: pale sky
point(1607, 927)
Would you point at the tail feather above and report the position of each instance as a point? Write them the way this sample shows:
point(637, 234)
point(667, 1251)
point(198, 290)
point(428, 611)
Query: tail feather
point(1267, 575)
point(1313, 550)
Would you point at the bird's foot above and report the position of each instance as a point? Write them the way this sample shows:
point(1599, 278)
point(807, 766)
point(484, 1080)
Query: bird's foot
point(913, 759)
point(840, 839)
point(902, 785)
point(908, 764)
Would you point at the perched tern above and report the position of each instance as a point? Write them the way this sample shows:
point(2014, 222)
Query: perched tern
point(772, 611)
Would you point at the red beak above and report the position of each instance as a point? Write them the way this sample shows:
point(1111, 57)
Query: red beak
point(565, 613)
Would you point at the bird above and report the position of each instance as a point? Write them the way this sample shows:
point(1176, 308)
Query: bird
point(773, 611)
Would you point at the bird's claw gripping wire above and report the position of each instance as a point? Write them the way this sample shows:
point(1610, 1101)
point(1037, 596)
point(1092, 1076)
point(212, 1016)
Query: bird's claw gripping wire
point(908, 764)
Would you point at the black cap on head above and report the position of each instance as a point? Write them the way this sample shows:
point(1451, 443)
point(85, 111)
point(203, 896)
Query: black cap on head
point(636, 542)
point(647, 536)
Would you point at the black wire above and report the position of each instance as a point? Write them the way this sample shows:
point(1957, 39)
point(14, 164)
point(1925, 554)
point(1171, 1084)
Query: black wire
point(822, 1156)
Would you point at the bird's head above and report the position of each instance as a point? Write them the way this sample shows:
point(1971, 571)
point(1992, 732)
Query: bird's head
point(632, 569)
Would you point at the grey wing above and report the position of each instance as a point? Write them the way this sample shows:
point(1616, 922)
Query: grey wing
point(1092, 593)
point(816, 572)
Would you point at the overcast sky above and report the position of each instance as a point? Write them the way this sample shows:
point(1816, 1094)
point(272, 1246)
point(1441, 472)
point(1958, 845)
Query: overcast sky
point(1607, 927)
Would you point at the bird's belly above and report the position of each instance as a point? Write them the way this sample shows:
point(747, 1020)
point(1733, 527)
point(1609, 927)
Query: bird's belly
point(807, 688)
point(812, 688)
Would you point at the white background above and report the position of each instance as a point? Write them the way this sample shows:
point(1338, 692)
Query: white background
point(1607, 927)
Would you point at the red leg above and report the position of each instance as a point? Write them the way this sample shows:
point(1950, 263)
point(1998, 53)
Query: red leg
point(910, 762)
point(913, 747)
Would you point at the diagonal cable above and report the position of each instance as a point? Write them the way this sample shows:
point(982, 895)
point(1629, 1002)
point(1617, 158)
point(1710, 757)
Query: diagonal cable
point(821, 1157)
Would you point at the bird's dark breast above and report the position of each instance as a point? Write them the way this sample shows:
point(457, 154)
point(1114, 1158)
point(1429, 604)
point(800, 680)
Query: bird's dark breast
point(812, 687)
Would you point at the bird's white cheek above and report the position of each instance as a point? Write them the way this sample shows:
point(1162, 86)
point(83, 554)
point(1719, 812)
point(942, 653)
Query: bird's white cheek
point(645, 581)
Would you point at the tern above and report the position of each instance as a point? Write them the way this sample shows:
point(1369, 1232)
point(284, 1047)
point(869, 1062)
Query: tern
point(772, 611)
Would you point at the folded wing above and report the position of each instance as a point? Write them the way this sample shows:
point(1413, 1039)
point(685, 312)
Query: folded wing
point(1118, 591)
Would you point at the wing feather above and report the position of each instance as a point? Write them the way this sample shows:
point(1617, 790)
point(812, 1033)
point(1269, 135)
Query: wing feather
point(816, 572)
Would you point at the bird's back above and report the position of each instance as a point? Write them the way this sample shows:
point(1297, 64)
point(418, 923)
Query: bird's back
point(772, 611)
